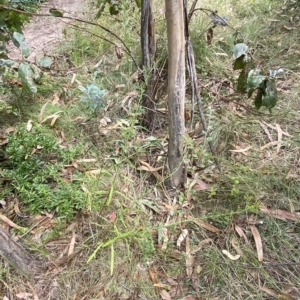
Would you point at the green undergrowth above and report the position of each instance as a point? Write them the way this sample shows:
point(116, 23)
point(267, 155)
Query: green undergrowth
point(99, 173)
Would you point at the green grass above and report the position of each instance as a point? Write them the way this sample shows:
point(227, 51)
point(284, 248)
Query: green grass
point(120, 212)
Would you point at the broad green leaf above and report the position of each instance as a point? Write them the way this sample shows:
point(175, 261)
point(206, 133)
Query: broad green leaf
point(254, 79)
point(45, 61)
point(258, 99)
point(270, 97)
point(18, 39)
point(26, 75)
point(242, 82)
point(239, 63)
point(250, 92)
point(24, 49)
point(239, 50)
point(6, 62)
point(56, 13)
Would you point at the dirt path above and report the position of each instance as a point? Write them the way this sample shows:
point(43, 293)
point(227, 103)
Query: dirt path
point(43, 33)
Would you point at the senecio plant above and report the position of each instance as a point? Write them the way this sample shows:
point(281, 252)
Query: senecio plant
point(92, 96)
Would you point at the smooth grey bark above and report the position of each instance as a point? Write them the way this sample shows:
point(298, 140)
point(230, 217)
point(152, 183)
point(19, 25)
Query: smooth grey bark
point(176, 88)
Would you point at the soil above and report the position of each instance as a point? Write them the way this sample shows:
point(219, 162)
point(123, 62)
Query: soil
point(44, 33)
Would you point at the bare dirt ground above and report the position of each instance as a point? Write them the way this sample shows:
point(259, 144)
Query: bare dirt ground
point(43, 33)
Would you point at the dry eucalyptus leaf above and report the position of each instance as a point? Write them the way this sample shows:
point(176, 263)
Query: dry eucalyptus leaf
point(279, 140)
point(205, 225)
point(201, 244)
point(189, 261)
point(258, 242)
point(29, 125)
point(165, 295)
point(229, 255)
point(40, 117)
point(280, 214)
point(182, 237)
point(241, 233)
point(24, 295)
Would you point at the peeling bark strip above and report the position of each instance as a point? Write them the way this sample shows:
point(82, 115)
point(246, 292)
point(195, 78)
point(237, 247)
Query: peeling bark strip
point(191, 66)
point(148, 41)
point(144, 32)
point(16, 255)
point(176, 88)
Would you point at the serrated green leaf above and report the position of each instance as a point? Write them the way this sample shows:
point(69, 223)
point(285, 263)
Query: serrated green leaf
point(45, 61)
point(26, 75)
point(239, 50)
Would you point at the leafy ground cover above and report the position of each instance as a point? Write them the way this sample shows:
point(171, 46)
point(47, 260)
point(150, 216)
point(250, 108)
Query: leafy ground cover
point(84, 183)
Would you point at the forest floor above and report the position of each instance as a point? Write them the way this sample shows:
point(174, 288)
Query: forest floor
point(83, 184)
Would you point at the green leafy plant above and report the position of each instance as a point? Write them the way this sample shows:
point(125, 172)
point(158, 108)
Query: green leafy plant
point(92, 96)
point(29, 73)
point(35, 162)
point(251, 80)
point(11, 24)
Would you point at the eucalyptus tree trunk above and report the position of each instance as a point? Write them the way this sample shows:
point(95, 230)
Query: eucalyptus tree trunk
point(176, 88)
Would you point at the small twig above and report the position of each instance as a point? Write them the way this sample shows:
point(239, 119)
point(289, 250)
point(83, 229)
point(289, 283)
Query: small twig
point(192, 10)
point(31, 228)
